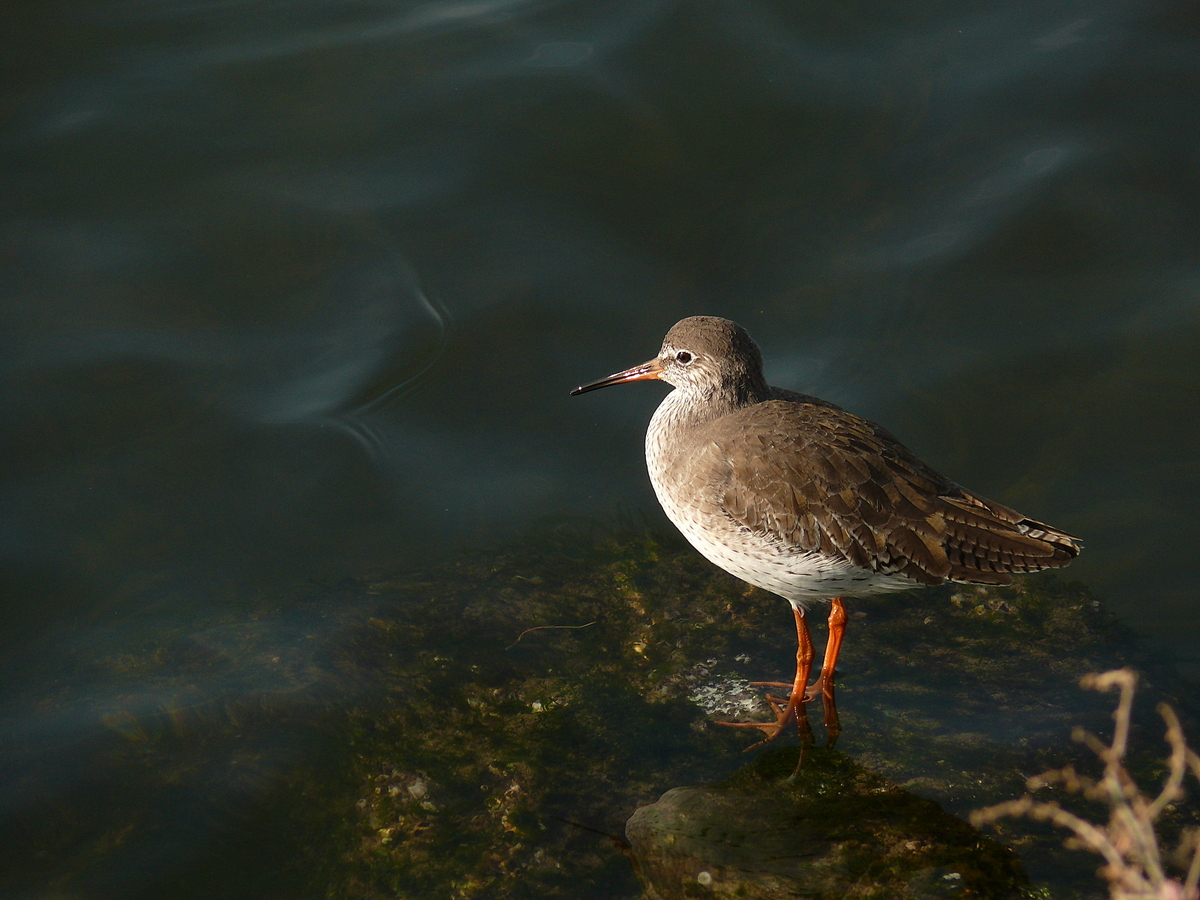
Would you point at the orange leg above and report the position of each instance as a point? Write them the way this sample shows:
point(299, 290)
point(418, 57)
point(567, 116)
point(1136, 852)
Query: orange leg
point(794, 709)
point(800, 691)
point(823, 686)
point(837, 630)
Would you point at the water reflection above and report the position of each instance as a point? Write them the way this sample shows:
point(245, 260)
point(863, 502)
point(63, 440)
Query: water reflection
point(561, 53)
point(154, 749)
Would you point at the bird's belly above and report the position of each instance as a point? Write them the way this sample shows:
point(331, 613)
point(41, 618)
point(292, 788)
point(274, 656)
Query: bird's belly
point(797, 575)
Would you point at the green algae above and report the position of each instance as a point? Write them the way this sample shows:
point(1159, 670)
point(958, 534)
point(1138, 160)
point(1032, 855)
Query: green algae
point(583, 725)
point(485, 728)
point(828, 829)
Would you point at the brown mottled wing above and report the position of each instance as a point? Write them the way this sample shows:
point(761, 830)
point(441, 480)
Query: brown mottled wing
point(816, 477)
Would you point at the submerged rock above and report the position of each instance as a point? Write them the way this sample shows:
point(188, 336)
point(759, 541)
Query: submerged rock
point(485, 729)
point(833, 829)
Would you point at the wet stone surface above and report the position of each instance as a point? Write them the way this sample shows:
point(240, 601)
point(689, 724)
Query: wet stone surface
point(488, 728)
point(533, 745)
point(820, 826)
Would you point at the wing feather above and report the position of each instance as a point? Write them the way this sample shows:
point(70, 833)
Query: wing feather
point(816, 477)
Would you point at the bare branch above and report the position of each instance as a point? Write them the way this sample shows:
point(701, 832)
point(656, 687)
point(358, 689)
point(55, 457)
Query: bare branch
point(1128, 842)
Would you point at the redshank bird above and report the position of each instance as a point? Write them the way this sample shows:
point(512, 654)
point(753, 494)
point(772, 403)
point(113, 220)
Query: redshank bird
point(801, 498)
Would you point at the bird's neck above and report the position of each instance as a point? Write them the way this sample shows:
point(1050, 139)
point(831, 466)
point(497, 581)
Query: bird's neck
point(684, 409)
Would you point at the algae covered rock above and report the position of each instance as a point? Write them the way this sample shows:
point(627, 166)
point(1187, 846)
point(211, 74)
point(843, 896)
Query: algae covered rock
point(486, 728)
point(831, 829)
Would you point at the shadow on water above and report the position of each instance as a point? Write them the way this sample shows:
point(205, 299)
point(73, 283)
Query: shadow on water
point(427, 733)
point(128, 772)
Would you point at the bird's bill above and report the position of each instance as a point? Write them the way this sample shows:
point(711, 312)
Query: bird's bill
point(645, 372)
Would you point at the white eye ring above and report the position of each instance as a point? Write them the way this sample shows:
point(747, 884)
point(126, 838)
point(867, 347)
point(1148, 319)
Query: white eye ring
point(683, 358)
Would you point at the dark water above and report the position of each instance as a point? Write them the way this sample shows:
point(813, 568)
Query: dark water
point(297, 290)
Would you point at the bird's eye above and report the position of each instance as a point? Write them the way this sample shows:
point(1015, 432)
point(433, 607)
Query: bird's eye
point(683, 358)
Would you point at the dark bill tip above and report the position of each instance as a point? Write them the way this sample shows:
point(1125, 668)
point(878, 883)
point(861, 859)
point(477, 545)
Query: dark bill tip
point(644, 372)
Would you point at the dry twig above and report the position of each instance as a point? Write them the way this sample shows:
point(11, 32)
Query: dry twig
point(1128, 842)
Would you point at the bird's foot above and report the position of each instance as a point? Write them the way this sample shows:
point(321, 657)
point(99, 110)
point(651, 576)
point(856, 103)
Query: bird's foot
point(791, 707)
point(822, 686)
point(786, 712)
